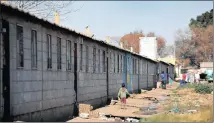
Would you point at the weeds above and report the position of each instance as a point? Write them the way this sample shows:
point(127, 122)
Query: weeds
point(205, 115)
point(199, 88)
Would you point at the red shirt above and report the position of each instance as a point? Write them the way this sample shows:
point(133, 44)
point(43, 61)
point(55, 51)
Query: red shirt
point(184, 77)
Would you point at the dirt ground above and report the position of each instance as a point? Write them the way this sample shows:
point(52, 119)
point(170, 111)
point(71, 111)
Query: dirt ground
point(152, 98)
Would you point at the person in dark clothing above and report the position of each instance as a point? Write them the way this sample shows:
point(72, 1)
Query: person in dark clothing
point(163, 80)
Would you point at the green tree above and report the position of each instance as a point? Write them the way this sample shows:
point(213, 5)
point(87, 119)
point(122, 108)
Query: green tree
point(203, 20)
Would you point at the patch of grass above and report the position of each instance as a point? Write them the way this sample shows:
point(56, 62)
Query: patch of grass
point(199, 88)
point(205, 115)
point(203, 89)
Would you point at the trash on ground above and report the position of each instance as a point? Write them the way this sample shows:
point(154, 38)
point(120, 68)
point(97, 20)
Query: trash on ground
point(175, 110)
point(132, 120)
point(192, 111)
point(113, 102)
point(149, 112)
point(143, 91)
point(84, 115)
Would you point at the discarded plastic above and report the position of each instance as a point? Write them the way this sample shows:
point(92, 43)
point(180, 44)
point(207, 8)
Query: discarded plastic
point(84, 115)
point(175, 110)
point(132, 120)
point(143, 91)
point(192, 111)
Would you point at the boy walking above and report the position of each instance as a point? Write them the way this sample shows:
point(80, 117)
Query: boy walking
point(122, 95)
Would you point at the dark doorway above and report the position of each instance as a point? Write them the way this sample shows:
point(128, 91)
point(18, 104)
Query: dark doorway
point(75, 80)
point(6, 71)
point(167, 73)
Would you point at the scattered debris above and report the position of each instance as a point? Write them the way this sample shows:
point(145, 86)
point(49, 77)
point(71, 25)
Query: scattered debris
point(175, 110)
point(103, 118)
point(101, 114)
point(143, 91)
point(84, 115)
point(151, 98)
point(132, 120)
point(149, 112)
point(111, 119)
point(113, 102)
point(117, 119)
point(192, 111)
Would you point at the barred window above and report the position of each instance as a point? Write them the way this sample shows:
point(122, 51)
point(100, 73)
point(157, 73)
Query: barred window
point(133, 66)
point(98, 60)
point(121, 63)
point(104, 65)
point(59, 59)
point(94, 60)
point(20, 42)
point(114, 63)
point(81, 53)
point(49, 48)
point(34, 48)
point(69, 52)
point(118, 63)
point(86, 58)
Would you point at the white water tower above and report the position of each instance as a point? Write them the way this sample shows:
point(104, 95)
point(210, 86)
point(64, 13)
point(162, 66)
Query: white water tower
point(148, 47)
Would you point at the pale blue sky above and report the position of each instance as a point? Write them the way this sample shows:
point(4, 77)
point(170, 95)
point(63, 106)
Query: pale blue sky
point(116, 18)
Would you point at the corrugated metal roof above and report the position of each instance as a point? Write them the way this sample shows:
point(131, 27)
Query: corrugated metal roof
point(16, 12)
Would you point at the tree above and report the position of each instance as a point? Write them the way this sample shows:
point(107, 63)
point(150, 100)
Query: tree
point(44, 9)
point(203, 20)
point(195, 44)
point(183, 46)
point(132, 40)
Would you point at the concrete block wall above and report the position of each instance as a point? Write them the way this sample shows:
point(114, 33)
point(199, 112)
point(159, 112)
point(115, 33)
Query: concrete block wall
point(1, 84)
point(43, 94)
point(37, 94)
point(143, 74)
point(115, 77)
point(92, 86)
point(151, 74)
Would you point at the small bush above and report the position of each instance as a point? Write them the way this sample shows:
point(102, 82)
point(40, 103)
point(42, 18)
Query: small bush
point(203, 89)
point(199, 88)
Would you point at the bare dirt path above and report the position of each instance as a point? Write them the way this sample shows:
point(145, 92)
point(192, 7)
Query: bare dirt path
point(137, 106)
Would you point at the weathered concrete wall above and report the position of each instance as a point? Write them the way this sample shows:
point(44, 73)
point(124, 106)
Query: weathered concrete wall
point(39, 93)
point(115, 76)
point(92, 86)
point(151, 74)
point(43, 94)
point(1, 67)
point(143, 75)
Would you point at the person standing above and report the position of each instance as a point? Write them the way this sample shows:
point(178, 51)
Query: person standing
point(197, 77)
point(122, 95)
point(163, 80)
point(184, 78)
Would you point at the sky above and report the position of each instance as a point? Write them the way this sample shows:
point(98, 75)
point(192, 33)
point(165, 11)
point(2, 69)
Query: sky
point(117, 18)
